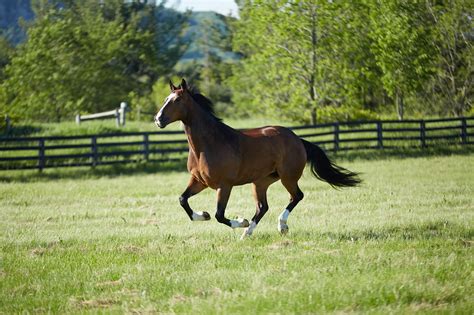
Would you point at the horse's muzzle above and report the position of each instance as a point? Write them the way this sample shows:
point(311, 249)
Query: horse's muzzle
point(160, 121)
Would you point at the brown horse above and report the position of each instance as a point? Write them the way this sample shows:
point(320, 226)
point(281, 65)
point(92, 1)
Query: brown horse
point(221, 157)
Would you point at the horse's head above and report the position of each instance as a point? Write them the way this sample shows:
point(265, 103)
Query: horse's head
point(175, 105)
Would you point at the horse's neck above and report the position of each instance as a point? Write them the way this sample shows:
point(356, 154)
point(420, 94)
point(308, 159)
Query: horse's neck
point(206, 134)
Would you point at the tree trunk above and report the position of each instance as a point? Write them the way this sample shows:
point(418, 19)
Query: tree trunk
point(314, 60)
point(400, 105)
point(313, 116)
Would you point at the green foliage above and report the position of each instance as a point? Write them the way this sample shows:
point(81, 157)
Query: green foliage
point(86, 57)
point(208, 62)
point(345, 113)
point(6, 51)
point(117, 241)
point(293, 60)
point(451, 90)
point(301, 57)
point(402, 45)
point(146, 106)
point(304, 58)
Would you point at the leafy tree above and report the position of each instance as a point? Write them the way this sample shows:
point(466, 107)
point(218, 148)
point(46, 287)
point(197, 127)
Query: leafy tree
point(213, 59)
point(346, 59)
point(402, 45)
point(453, 82)
point(6, 51)
point(86, 56)
point(303, 58)
point(279, 47)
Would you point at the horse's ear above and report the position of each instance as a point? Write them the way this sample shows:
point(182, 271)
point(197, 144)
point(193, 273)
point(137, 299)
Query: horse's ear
point(172, 87)
point(184, 85)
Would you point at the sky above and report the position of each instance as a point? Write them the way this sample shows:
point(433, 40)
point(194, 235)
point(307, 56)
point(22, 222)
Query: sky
point(220, 6)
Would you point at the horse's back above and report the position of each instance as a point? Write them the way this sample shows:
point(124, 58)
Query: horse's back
point(278, 136)
point(274, 147)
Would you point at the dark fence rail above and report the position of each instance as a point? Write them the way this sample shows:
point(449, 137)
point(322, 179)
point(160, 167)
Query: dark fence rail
point(94, 150)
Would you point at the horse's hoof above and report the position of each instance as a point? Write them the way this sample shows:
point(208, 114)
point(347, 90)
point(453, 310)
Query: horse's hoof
point(283, 228)
point(239, 223)
point(201, 216)
point(206, 216)
point(248, 231)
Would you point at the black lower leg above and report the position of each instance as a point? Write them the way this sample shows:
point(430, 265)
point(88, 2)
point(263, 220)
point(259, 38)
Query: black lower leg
point(262, 208)
point(223, 195)
point(183, 201)
point(220, 214)
point(193, 188)
point(295, 200)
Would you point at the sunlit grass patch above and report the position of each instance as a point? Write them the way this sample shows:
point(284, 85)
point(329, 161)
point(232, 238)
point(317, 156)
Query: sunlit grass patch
point(118, 241)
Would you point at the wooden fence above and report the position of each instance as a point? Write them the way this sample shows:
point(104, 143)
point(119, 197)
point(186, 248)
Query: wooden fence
point(94, 150)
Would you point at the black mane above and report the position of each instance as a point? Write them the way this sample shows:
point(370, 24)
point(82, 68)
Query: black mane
point(205, 103)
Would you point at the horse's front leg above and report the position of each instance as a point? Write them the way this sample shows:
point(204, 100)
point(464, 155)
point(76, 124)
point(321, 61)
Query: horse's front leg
point(194, 187)
point(223, 194)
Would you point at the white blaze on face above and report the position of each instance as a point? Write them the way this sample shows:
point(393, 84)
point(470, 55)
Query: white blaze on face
point(170, 98)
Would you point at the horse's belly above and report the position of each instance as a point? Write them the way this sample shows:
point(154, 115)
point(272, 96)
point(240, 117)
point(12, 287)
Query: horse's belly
point(214, 172)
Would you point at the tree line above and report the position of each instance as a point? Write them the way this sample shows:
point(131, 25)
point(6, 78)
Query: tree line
point(300, 60)
point(338, 60)
point(88, 56)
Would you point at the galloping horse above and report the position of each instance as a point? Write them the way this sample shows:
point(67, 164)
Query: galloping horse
point(221, 157)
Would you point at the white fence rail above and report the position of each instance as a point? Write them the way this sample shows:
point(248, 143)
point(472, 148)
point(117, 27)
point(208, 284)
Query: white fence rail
point(119, 114)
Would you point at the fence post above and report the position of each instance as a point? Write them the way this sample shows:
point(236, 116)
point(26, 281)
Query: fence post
point(123, 110)
point(463, 130)
point(379, 135)
point(422, 134)
point(78, 119)
point(117, 118)
point(41, 156)
point(145, 146)
point(336, 136)
point(7, 124)
point(94, 150)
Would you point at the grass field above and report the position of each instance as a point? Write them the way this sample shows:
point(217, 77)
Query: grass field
point(80, 241)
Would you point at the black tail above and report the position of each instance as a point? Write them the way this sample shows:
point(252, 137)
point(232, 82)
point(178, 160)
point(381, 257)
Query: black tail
point(325, 170)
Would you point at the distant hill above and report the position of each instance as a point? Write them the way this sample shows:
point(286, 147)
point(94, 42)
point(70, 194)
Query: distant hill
point(197, 25)
point(11, 11)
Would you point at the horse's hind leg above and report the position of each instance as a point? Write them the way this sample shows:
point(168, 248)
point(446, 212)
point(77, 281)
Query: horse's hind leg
point(194, 187)
point(296, 195)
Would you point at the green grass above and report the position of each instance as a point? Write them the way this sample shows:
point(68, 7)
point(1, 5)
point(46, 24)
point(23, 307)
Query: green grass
point(80, 241)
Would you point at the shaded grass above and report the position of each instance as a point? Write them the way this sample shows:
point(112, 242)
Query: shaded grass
point(179, 165)
point(401, 243)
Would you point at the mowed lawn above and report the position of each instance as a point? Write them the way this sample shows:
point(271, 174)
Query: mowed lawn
point(401, 243)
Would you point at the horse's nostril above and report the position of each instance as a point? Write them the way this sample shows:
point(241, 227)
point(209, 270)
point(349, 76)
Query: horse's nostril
point(160, 121)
